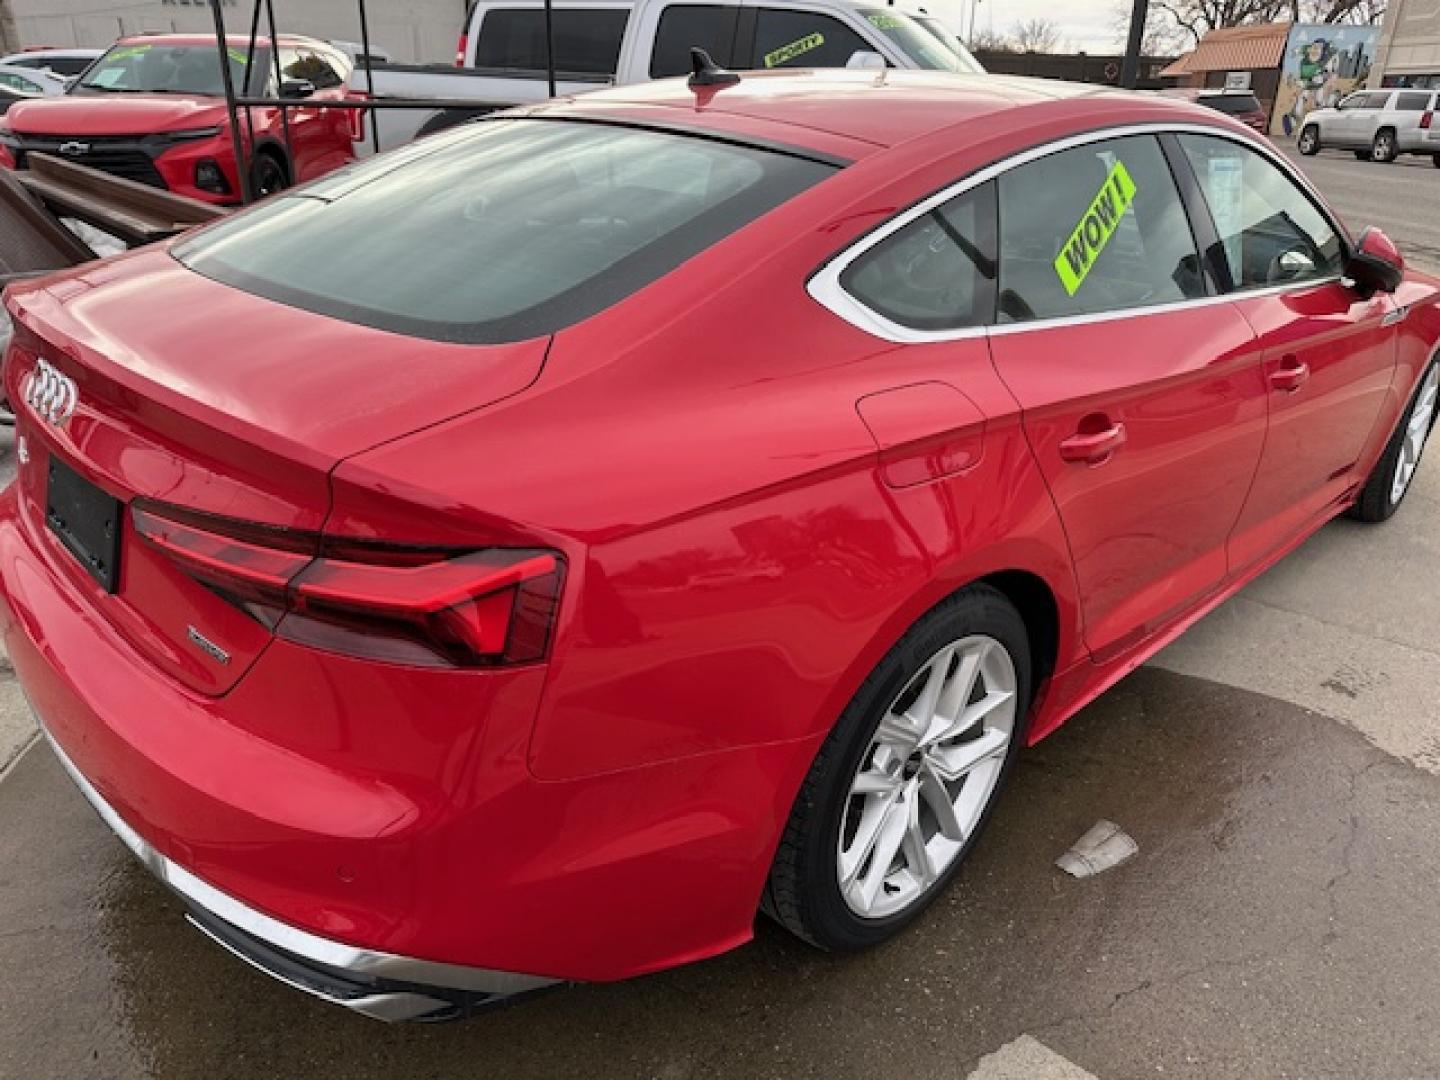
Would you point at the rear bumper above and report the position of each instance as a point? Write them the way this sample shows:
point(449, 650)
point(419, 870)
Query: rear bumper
point(382, 985)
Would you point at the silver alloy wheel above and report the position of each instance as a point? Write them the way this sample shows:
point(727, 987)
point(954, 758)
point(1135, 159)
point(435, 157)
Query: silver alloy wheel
point(1383, 150)
point(924, 781)
point(1417, 432)
point(1307, 140)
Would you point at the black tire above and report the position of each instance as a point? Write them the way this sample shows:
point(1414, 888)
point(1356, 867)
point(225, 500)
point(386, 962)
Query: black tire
point(1362, 155)
point(1435, 160)
point(1309, 141)
point(803, 893)
point(1377, 500)
point(1385, 148)
point(268, 175)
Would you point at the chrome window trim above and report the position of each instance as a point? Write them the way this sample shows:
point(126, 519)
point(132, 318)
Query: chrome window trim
point(825, 288)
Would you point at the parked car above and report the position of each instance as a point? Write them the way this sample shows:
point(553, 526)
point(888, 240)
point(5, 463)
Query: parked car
point(152, 109)
point(38, 82)
point(9, 96)
point(528, 555)
point(66, 62)
point(1376, 124)
point(1241, 104)
point(500, 59)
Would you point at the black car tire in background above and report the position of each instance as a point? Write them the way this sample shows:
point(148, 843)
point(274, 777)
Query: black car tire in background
point(1384, 149)
point(1309, 143)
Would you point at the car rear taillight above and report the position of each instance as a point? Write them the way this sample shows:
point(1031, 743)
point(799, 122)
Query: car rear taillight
point(408, 605)
point(1426, 119)
point(460, 47)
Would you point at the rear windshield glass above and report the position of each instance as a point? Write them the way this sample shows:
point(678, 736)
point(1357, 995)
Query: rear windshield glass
point(1232, 104)
point(500, 231)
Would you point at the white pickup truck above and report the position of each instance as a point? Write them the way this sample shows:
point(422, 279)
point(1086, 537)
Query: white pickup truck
point(500, 60)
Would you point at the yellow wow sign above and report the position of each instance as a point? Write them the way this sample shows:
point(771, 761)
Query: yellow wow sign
point(1096, 228)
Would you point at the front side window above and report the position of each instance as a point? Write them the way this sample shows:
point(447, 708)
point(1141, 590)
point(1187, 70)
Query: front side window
point(1270, 231)
point(936, 273)
point(151, 68)
point(803, 39)
point(500, 231)
point(310, 66)
point(693, 26)
point(18, 82)
point(931, 47)
point(587, 40)
point(1097, 228)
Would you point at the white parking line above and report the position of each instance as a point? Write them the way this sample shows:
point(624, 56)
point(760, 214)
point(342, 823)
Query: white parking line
point(1027, 1059)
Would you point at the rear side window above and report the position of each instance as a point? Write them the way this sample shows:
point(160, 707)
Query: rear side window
point(1413, 102)
point(66, 65)
point(1097, 228)
point(1270, 231)
point(499, 231)
point(803, 39)
point(1232, 104)
point(685, 26)
point(936, 273)
point(587, 40)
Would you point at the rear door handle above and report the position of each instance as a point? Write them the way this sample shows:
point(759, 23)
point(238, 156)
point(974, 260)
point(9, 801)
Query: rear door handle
point(1093, 448)
point(1291, 375)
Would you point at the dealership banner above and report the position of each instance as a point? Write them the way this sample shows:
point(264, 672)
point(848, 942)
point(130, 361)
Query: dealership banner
point(1322, 64)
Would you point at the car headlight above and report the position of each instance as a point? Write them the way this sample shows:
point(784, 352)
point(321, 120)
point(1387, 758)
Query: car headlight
point(192, 133)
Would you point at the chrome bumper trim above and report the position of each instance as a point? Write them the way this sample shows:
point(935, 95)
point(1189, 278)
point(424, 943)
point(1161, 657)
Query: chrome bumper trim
point(401, 982)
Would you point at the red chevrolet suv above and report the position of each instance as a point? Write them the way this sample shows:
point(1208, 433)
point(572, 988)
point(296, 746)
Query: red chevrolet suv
point(529, 555)
point(152, 109)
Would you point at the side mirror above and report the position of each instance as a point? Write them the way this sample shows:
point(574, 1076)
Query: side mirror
point(296, 88)
point(1376, 264)
point(865, 60)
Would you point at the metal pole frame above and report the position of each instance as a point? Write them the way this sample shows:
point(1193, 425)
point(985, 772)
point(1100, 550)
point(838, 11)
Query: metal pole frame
point(549, 42)
point(236, 141)
point(279, 78)
point(234, 102)
point(1130, 72)
point(369, 75)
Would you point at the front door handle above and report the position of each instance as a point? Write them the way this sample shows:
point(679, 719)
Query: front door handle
point(1291, 375)
point(1093, 448)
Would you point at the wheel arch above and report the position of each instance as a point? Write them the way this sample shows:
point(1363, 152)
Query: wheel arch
point(274, 148)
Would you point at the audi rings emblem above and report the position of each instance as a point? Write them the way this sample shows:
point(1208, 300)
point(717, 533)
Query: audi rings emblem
point(51, 394)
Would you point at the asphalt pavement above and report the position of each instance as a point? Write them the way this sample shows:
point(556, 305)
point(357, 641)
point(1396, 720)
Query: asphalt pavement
point(1400, 198)
point(1279, 767)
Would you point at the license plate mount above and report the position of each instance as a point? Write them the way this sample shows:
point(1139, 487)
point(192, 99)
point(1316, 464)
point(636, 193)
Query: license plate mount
point(87, 522)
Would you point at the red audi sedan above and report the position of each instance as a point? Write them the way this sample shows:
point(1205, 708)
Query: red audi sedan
point(527, 556)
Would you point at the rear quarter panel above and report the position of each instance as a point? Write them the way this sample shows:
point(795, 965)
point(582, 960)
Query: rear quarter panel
point(737, 561)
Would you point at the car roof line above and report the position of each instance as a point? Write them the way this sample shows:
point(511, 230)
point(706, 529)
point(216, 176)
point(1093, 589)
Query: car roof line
point(695, 131)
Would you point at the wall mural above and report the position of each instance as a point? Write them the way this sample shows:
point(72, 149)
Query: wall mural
point(1322, 64)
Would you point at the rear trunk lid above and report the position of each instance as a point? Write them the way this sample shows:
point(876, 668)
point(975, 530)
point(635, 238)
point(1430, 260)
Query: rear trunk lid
point(177, 404)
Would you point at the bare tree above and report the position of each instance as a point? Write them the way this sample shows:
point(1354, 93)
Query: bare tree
point(1036, 36)
point(1180, 24)
point(989, 40)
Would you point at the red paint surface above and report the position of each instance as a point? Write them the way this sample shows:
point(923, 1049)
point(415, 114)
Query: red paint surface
point(754, 500)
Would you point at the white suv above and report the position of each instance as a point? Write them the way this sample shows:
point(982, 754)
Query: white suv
point(1376, 124)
